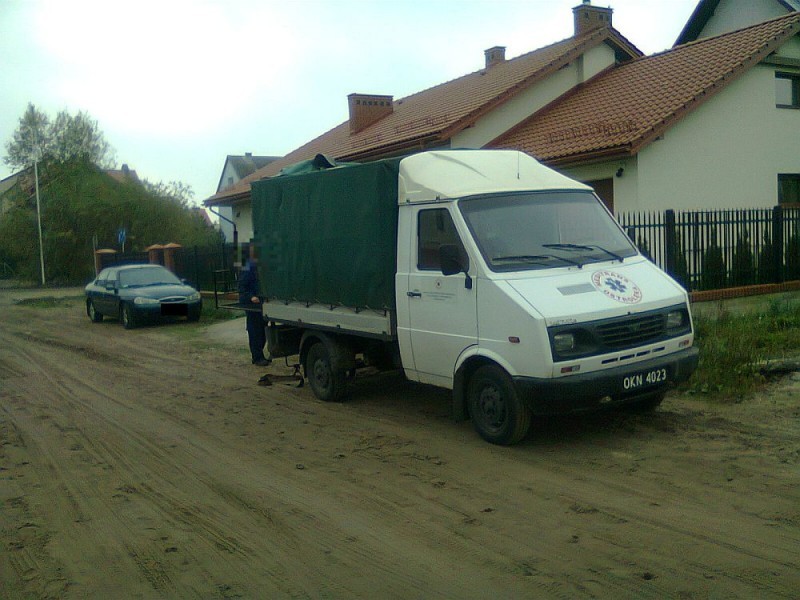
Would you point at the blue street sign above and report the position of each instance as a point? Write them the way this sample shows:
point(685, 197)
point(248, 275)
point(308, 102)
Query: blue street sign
point(121, 234)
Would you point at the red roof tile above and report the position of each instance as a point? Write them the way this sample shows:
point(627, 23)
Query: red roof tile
point(434, 115)
point(628, 106)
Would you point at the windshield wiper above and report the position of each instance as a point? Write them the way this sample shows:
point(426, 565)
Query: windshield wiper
point(613, 255)
point(537, 258)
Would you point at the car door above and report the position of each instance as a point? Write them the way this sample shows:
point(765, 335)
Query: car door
point(104, 295)
point(442, 309)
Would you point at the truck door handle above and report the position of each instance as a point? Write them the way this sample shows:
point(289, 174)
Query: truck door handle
point(414, 294)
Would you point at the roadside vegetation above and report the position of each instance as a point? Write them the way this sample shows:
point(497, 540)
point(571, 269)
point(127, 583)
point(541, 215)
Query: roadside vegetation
point(81, 206)
point(736, 349)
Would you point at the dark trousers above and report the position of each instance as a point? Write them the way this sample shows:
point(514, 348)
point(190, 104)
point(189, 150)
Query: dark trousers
point(256, 334)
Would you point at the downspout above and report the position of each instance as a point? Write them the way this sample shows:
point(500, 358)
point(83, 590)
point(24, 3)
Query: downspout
point(235, 231)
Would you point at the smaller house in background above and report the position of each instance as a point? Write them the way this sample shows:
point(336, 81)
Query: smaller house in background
point(6, 185)
point(236, 168)
point(123, 174)
point(714, 17)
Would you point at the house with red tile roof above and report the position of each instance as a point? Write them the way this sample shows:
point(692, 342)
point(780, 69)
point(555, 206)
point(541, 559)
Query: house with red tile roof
point(710, 124)
point(467, 112)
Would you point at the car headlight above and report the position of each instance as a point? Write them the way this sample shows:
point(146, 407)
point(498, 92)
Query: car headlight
point(145, 300)
point(564, 343)
point(675, 319)
point(193, 297)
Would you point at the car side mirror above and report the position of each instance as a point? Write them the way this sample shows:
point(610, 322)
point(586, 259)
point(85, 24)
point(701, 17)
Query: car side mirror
point(450, 263)
point(110, 285)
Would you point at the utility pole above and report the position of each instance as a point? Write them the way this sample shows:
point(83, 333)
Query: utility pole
point(39, 216)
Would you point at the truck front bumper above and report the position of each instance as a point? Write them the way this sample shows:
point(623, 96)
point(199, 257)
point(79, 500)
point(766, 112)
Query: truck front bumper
point(610, 387)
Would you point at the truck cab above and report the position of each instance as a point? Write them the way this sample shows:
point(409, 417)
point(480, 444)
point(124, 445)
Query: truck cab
point(518, 290)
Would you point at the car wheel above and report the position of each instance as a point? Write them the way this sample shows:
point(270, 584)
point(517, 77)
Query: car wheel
point(327, 383)
point(497, 412)
point(95, 316)
point(128, 317)
point(194, 314)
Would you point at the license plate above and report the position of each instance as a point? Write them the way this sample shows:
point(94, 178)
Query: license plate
point(644, 379)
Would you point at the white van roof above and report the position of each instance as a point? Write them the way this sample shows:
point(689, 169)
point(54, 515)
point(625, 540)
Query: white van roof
point(449, 174)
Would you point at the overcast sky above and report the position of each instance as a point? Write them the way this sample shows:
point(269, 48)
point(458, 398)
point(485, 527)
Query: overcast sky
point(177, 85)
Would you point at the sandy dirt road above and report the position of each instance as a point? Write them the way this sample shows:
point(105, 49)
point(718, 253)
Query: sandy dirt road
point(149, 464)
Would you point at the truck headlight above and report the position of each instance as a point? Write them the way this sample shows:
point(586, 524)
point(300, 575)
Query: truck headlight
point(675, 319)
point(564, 343)
point(145, 300)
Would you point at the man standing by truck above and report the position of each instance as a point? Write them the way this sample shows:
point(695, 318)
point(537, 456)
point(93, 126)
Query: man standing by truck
point(250, 301)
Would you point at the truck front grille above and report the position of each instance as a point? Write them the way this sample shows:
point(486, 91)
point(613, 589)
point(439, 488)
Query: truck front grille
point(633, 331)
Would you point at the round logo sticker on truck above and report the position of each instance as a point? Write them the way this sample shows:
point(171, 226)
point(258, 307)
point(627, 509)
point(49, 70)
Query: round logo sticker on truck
point(617, 287)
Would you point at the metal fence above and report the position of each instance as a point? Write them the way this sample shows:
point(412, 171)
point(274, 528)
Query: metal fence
point(198, 265)
point(718, 249)
point(703, 250)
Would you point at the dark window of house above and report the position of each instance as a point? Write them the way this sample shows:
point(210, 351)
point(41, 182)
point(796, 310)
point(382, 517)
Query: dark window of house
point(787, 90)
point(436, 227)
point(789, 189)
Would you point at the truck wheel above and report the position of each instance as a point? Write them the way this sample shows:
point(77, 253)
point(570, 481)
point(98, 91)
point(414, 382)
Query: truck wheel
point(326, 383)
point(497, 413)
point(95, 316)
point(128, 316)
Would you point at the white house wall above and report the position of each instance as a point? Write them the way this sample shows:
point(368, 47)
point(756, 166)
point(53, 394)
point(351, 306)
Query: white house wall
point(731, 15)
point(532, 99)
point(726, 154)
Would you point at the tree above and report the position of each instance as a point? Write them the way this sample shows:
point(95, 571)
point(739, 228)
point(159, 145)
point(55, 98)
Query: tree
point(79, 138)
point(66, 139)
point(177, 191)
point(31, 139)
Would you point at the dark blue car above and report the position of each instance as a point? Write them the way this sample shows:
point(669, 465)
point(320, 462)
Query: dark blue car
point(138, 293)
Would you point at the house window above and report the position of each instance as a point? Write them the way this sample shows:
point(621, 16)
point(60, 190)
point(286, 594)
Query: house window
point(787, 90)
point(789, 189)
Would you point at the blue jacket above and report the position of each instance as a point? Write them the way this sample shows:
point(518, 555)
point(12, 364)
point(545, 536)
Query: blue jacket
point(248, 283)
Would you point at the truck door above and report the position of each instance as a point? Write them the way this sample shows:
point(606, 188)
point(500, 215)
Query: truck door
point(442, 309)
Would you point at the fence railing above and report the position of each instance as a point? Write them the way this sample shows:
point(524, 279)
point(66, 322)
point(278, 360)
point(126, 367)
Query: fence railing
point(703, 250)
point(197, 264)
point(718, 249)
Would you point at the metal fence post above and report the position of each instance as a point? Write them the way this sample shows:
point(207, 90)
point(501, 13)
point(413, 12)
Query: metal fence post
point(777, 242)
point(670, 241)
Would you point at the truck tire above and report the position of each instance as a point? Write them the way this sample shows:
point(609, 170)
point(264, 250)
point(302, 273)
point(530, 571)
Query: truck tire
point(497, 412)
point(91, 311)
point(327, 383)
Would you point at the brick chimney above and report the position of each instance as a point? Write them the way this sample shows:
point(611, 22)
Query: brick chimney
point(588, 17)
point(366, 109)
point(495, 56)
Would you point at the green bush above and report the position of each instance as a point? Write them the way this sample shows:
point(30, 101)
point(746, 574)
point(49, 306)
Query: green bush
point(733, 348)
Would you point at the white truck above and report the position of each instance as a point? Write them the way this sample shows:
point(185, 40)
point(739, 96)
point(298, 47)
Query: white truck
point(480, 271)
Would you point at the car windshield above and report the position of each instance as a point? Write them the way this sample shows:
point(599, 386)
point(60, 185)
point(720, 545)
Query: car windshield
point(542, 230)
point(149, 276)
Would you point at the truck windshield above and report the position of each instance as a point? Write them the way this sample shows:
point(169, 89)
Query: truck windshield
point(542, 230)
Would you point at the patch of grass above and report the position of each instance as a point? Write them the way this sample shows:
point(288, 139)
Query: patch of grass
point(51, 302)
point(733, 345)
point(211, 314)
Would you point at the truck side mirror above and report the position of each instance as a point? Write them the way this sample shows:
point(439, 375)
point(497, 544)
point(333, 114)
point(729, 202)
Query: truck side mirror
point(450, 263)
